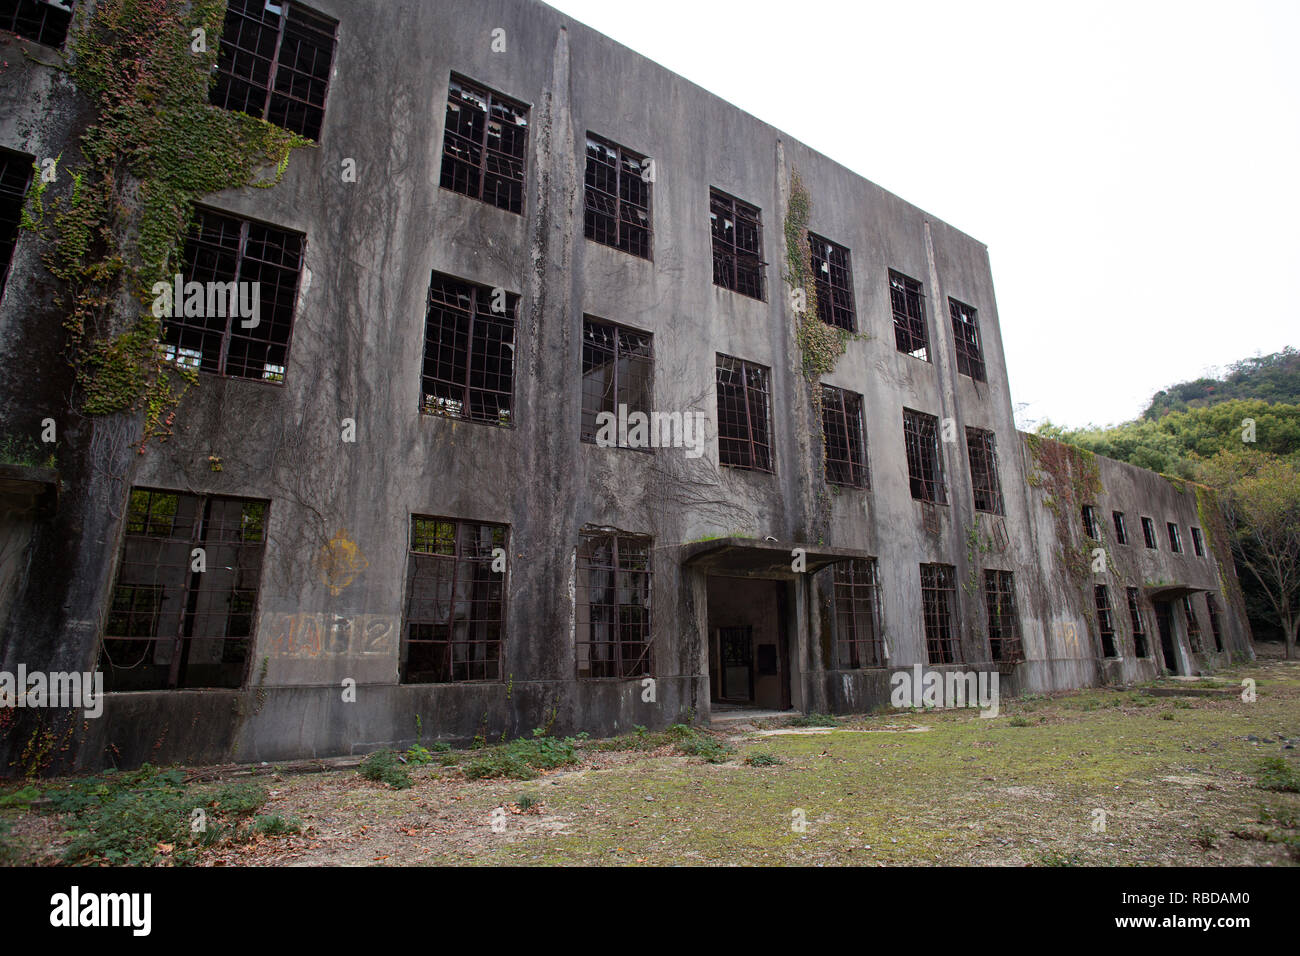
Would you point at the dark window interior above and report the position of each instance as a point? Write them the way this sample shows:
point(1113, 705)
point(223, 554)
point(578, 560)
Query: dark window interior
point(613, 599)
point(737, 244)
point(617, 369)
point(908, 304)
point(744, 436)
point(858, 637)
point(617, 205)
point(469, 352)
point(939, 605)
point(833, 280)
point(842, 435)
point(924, 466)
point(484, 145)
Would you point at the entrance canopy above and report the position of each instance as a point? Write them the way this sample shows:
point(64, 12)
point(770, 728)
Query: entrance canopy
point(1170, 592)
point(755, 558)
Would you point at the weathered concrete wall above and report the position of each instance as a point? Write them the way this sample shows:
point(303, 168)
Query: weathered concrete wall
point(356, 353)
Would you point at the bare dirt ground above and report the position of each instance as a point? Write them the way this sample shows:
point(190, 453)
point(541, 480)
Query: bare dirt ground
point(1095, 777)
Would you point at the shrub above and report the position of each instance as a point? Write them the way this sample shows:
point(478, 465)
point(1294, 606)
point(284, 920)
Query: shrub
point(21, 799)
point(384, 766)
point(762, 758)
point(1019, 721)
point(1274, 773)
point(418, 756)
point(526, 802)
point(710, 748)
point(276, 825)
point(521, 759)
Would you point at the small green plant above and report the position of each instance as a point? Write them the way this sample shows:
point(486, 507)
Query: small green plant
point(710, 748)
point(1205, 838)
point(384, 766)
point(1051, 858)
point(418, 756)
point(1167, 715)
point(20, 799)
point(1182, 703)
point(521, 759)
point(762, 758)
point(526, 802)
point(1273, 773)
point(812, 720)
point(276, 825)
point(1019, 721)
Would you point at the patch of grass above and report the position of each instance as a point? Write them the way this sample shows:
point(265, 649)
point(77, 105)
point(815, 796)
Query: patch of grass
point(276, 825)
point(1019, 721)
point(711, 749)
point(384, 766)
point(521, 759)
point(526, 802)
point(1051, 858)
point(20, 799)
point(762, 758)
point(1274, 773)
point(812, 720)
point(1205, 838)
point(1167, 715)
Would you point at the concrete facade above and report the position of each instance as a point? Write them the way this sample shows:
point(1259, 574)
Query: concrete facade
point(358, 337)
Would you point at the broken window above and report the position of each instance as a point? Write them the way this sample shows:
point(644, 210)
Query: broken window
point(15, 176)
point(455, 601)
point(237, 317)
point(1193, 624)
point(1139, 629)
point(1004, 620)
point(484, 145)
point(618, 197)
point(44, 21)
point(185, 596)
point(1149, 533)
point(924, 464)
point(843, 438)
point(981, 449)
point(275, 62)
point(1198, 542)
point(1091, 526)
point(1121, 531)
point(966, 336)
point(1212, 606)
point(613, 606)
point(1175, 539)
point(859, 637)
point(737, 244)
point(908, 304)
point(1105, 621)
point(617, 370)
point(469, 352)
point(938, 610)
point(744, 437)
point(833, 280)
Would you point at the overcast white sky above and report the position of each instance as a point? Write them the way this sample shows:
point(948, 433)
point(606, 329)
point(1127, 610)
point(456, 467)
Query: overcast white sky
point(1134, 167)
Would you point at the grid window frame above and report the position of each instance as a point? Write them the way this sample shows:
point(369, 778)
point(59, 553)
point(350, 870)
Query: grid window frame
point(1149, 534)
point(467, 371)
point(986, 483)
point(222, 248)
point(495, 173)
point(832, 272)
point(283, 59)
point(744, 414)
point(1091, 523)
point(619, 567)
point(621, 218)
point(1105, 621)
point(924, 451)
point(967, 341)
point(1121, 528)
point(1216, 624)
point(857, 615)
point(1141, 646)
point(939, 614)
point(1175, 537)
point(40, 22)
point(16, 171)
point(191, 622)
point(1006, 643)
point(736, 228)
point(844, 438)
point(1193, 625)
point(450, 565)
point(1198, 541)
point(911, 328)
point(626, 353)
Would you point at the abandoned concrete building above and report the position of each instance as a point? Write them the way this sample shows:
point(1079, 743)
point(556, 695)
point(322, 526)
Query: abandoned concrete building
point(575, 397)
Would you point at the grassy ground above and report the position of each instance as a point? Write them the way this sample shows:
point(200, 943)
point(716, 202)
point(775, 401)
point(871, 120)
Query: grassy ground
point(1179, 780)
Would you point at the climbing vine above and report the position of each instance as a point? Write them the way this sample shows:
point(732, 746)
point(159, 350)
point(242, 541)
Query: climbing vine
point(115, 224)
point(1069, 477)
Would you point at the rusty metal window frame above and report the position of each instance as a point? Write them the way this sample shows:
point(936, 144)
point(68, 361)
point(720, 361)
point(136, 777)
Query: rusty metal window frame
point(1212, 608)
point(485, 145)
point(156, 587)
point(36, 20)
point(1005, 642)
point(737, 230)
point(939, 614)
point(966, 340)
point(274, 63)
point(1105, 621)
point(1193, 625)
point(1149, 534)
point(907, 302)
point(1198, 542)
point(15, 178)
point(454, 616)
point(924, 457)
point(223, 248)
point(986, 485)
point(617, 369)
point(1175, 537)
point(614, 596)
point(1091, 524)
point(744, 414)
point(859, 630)
point(468, 371)
point(1121, 529)
point(1140, 646)
point(844, 438)
point(617, 199)
point(832, 272)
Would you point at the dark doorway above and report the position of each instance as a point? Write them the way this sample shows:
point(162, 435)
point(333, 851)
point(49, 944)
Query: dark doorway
point(749, 653)
point(1165, 622)
point(736, 650)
